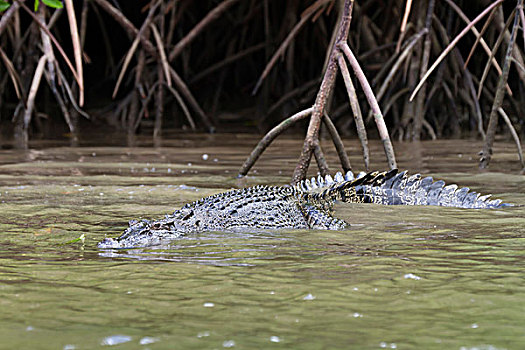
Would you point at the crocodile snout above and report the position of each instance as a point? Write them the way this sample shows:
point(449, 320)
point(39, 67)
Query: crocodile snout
point(108, 243)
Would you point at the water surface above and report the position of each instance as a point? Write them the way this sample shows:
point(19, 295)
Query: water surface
point(400, 277)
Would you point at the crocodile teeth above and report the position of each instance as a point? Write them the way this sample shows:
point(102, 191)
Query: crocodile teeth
point(349, 176)
point(339, 177)
point(313, 183)
point(329, 180)
point(360, 175)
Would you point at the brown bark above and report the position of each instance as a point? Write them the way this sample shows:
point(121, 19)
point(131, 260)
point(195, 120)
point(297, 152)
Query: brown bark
point(321, 160)
point(356, 110)
point(327, 85)
point(7, 15)
point(420, 101)
point(338, 143)
point(374, 105)
point(126, 25)
point(486, 153)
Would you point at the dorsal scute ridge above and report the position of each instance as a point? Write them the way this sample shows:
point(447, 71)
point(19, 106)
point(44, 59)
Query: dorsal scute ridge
point(320, 181)
point(349, 176)
point(339, 177)
point(313, 184)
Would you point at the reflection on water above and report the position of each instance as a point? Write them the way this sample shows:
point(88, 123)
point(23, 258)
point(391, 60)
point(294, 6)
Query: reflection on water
point(400, 277)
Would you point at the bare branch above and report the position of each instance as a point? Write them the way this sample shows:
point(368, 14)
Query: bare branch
point(77, 50)
point(452, 44)
point(6, 16)
point(209, 18)
point(281, 50)
point(15, 78)
point(372, 101)
point(486, 153)
point(493, 52)
point(179, 83)
point(57, 45)
point(356, 110)
point(514, 135)
point(162, 54)
point(339, 146)
point(269, 137)
point(37, 77)
point(134, 46)
point(327, 84)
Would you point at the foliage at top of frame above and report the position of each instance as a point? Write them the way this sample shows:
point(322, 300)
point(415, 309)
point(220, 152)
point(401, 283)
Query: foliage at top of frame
point(57, 4)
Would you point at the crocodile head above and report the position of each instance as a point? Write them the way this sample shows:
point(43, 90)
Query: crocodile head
point(149, 233)
point(143, 233)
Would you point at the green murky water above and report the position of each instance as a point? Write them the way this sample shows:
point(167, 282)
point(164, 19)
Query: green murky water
point(400, 278)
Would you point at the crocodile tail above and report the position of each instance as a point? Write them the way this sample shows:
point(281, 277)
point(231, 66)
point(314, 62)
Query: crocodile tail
point(416, 190)
point(394, 188)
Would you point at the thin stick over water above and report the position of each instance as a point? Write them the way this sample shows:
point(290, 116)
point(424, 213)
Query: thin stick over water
point(372, 101)
point(269, 137)
point(486, 153)
point(338, 143)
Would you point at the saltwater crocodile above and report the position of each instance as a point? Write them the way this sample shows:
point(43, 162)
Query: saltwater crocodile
point(307, 205)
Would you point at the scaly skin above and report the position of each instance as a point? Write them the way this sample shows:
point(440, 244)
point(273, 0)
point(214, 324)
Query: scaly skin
point(308, 205)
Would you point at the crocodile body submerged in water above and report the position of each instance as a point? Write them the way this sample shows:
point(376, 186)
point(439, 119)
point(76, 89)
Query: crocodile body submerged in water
point(308, 204)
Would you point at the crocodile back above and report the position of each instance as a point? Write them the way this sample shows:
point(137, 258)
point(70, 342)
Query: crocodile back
point(254, 207)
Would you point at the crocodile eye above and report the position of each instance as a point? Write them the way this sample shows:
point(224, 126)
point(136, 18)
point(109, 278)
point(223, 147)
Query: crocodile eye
point(197, 223)
point(155, 226)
